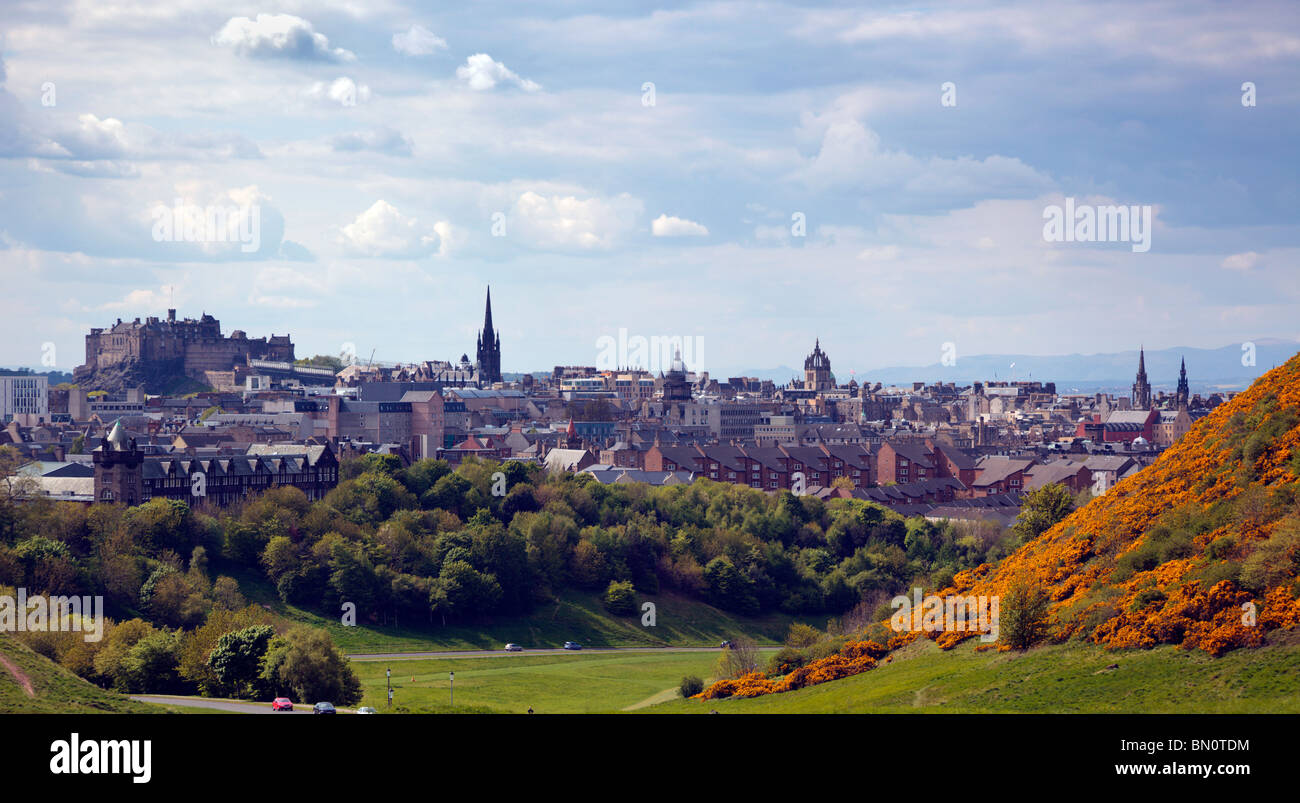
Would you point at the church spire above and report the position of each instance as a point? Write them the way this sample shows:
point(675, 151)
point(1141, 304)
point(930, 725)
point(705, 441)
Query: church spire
point(489, 347)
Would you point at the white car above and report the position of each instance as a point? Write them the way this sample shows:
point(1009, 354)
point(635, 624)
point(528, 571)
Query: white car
point(512, 647)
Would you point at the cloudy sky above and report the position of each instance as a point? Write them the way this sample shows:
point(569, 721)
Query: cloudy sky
point(754, 174)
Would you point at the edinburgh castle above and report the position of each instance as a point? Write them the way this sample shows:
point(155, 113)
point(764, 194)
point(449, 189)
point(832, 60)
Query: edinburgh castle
point(170, 355)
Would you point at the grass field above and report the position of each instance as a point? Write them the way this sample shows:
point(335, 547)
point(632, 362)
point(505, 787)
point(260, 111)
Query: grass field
point(680, 622)
point(55, 689)
point(575, 683)
point(1066, 678)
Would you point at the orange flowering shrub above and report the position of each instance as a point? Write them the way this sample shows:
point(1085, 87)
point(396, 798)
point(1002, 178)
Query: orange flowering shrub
point(1248, 443)
point(852, 659)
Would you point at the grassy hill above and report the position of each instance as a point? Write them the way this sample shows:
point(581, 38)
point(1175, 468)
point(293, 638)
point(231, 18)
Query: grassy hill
point(54, 689)
point(1059, 678)
point(574, 616)
point(1172, 554)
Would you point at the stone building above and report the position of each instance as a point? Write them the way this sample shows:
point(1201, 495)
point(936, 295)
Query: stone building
point(153, 351)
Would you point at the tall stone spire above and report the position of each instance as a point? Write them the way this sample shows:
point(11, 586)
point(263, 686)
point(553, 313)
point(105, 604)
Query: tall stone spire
point(489, 347)
point(1184, 393)
point(1141, 397)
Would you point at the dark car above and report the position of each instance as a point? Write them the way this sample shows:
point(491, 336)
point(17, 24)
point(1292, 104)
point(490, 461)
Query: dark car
point(572, 645)
point(726, 645)
point(323, 708)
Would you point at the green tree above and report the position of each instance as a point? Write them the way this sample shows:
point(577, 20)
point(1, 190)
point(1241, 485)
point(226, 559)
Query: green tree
point(1023, 614)
point(305, 664)
point(1041, 509)
point(236, 660)
point(620, 598)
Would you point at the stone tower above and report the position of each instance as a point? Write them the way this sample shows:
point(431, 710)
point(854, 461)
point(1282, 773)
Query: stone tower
point(817, 370)
point(1184, 392)
point(1141, 387)
point(118, 463)
point(489, 348)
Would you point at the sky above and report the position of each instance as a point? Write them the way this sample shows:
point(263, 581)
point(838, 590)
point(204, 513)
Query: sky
point(749, 175)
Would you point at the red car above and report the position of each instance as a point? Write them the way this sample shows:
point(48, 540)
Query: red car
point(282, 704)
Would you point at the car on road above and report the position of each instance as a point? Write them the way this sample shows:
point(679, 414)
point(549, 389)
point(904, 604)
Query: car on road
point(365, 709)
point(323, 708)
point(282, 704)
point(512, 647)
point(572, 645)
point(726, 645)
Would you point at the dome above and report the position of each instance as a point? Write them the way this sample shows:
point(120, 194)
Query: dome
point(677, 366)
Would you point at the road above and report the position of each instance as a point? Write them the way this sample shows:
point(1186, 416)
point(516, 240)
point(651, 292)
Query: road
point(398, 656)
point(224, 705)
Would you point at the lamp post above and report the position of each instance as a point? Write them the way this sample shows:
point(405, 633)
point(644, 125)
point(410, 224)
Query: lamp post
point(452, 677)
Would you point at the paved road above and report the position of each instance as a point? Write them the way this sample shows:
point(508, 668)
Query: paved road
point(397, 656)
point(224, 705)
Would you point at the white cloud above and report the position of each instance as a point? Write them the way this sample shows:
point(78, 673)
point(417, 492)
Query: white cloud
point(851, 156)
point(571, 222)
point(665, 226)
point(1244, 261)
point(882, 253)
point(382, 231)
point(418, 41)
point(343, 91)
point(481, 72)
point(278, 36)
point(380, 140)
point(98, 139)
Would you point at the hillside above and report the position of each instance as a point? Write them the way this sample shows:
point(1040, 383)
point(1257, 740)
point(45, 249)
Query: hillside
point(1069, 678)
point(1200, 550)
point(32, 684)
point(1172, 554)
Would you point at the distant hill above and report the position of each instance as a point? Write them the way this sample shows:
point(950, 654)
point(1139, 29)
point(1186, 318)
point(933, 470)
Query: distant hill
point(1208, 370)
point(1219, 368)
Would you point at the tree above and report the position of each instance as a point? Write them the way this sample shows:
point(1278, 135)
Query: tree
point(151, 665)
point(620, 598)
point(728, 588)
point(306, 664)
point(741, 658)
point(236, 660)
point(1023, 614)
point(1041, 509)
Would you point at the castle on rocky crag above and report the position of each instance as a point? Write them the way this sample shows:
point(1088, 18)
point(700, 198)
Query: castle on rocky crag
point(158, 353)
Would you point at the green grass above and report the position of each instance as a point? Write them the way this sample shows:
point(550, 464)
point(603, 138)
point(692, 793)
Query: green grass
point(1065, 678)
point(575, 616)
point(57, 690)
point(551, 684)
